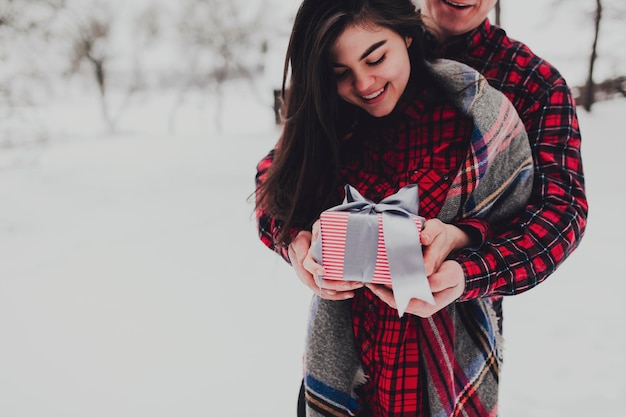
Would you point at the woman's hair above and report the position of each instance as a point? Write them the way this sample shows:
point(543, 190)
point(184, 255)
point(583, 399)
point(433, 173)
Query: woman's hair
point(301, 181)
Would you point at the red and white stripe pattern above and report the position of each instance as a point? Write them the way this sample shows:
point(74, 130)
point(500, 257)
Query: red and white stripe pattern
point(333, 228)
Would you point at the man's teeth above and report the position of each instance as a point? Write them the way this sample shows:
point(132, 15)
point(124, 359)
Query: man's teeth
point(374, 94)
point(451, 3)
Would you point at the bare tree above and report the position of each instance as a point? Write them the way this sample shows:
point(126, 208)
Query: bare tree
point(605, 52)
point(89, 44)
point(498, 13)
point(25, 30)
point(222, 43)
point(111, 43)
point(24, 16)
point(588, 98)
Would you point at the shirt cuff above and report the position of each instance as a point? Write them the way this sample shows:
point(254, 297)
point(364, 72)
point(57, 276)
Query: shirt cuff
point(471, 291)
point(477, 230)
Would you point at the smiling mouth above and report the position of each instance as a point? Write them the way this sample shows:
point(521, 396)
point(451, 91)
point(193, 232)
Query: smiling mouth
point(374, 94)
point(456, 5)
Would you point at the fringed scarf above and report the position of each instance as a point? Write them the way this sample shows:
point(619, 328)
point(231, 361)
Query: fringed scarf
point(460, 345)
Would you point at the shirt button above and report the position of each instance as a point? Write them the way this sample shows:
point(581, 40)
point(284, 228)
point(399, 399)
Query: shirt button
point(370, 307)
point(366, 347)
point(445, 177)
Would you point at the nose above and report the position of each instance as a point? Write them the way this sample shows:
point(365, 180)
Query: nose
point(363, 82)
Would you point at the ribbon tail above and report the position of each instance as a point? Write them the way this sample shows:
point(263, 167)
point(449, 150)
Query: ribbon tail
point(406, 262)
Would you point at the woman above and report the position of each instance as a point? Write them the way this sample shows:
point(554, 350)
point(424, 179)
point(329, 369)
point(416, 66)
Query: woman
point(365, 107)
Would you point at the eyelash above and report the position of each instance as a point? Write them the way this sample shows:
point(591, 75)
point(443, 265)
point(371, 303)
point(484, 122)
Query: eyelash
point(369, 64)
point(380, 61)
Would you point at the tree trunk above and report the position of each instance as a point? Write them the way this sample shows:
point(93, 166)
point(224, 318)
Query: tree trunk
point(588, 98)
point(219, 99)
point(100, 76)
point(498, 14)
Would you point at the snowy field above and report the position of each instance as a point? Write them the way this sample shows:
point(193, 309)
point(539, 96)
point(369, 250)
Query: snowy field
point(132, 282)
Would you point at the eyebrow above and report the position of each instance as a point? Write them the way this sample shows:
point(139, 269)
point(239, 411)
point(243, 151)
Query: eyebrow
point(373, 48)
point(368, 51)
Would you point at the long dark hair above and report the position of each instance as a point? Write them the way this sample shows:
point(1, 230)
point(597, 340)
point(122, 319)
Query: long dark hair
point(301, 181)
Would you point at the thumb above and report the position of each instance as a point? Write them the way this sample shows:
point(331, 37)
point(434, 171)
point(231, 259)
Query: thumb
point(300, 245)
point(430, 230)
point(316, 229)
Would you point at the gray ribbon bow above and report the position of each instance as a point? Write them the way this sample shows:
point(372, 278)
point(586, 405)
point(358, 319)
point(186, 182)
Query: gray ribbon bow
point(402, 243)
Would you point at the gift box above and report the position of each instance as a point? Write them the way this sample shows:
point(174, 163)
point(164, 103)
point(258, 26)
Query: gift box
point(377, 243)
point(333, 230)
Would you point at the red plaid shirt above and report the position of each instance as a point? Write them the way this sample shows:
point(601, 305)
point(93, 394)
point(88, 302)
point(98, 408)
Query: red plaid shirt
point(526, 252)
point(423, 145)
point(512, 259)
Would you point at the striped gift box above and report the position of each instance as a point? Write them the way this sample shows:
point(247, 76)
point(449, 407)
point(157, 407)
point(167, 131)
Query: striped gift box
point(333, 227)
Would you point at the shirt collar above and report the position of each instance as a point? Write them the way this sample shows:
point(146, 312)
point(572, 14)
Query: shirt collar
point(457, 45)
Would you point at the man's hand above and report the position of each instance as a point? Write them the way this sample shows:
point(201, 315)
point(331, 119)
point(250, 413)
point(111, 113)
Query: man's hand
point(447, 284)
point(439, 240)
point(446, 278)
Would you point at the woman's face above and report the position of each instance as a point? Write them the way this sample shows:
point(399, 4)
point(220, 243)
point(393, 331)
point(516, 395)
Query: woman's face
point(372, 67)
point(454, 17)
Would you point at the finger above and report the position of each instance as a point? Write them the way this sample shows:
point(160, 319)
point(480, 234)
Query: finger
point(298, 250)
point(442, 300)
point(337, 290)
point(329, 294)
point(316, 229)
point(449, 275)
point(313, 267)
point(432, 239)
point(337, 285)
point(441, 280)
point(305, 276)
point(300, 246)
point(384, 293)
point(431, 229)
point(423, 309)
point(452, 282)
point(434, 255)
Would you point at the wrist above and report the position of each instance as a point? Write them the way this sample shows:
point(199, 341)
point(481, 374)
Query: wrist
point(462, 238)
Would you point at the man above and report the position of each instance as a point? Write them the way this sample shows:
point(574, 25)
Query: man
point(523, 254)
point(528, 250)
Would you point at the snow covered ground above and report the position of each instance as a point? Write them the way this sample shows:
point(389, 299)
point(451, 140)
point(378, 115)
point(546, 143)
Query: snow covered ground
point(132, 282)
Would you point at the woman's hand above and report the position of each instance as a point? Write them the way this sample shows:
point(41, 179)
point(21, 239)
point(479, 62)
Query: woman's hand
point(447, 284)
point(310, 271)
